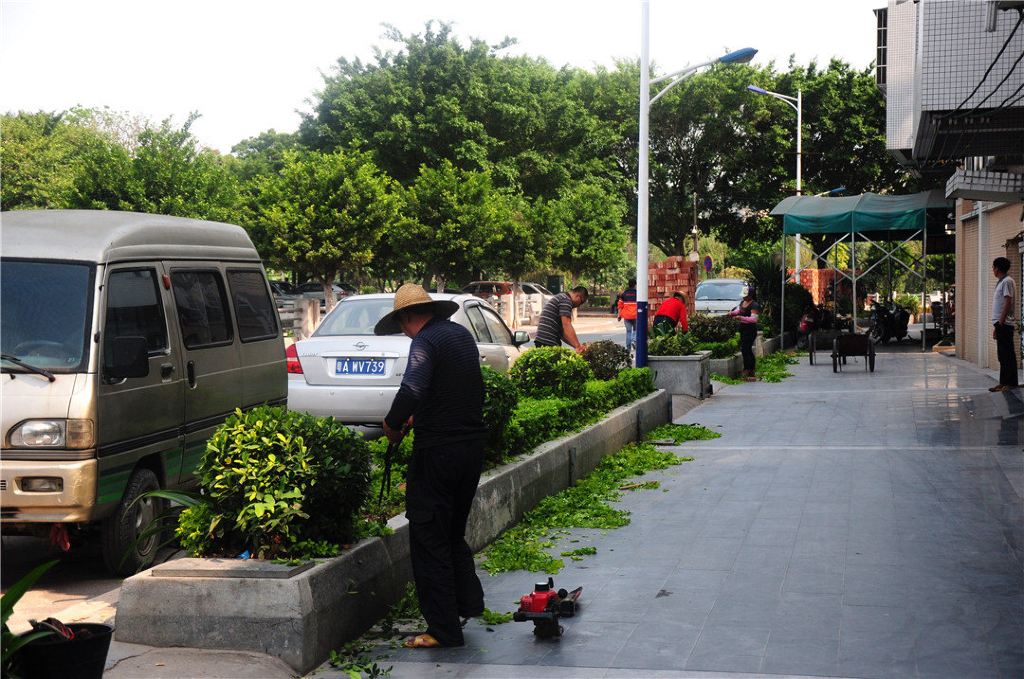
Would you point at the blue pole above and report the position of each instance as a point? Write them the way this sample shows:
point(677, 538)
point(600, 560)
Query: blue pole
point(641, 334)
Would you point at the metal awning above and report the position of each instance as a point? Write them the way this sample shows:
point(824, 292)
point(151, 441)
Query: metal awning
point(866, 213)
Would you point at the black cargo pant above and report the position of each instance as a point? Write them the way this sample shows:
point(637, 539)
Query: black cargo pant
point(1007, 356)
point(441, 483)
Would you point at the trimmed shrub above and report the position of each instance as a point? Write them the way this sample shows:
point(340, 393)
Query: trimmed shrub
point(500, 399)
point(600, 396)
point(550, 372)
point(538, 420)
point(706, 328)
point(633, 384)
point(277, 483)
point(721, 349)
point(606, 358)
point(671, 344)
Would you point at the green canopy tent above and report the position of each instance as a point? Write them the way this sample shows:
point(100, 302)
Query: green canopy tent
point(867, 218)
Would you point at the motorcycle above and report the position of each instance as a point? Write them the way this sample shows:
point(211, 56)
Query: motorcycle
point(888, 321)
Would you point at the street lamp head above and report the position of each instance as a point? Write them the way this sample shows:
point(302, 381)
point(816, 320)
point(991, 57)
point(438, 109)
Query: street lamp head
point(756, 89)
point(739, 56)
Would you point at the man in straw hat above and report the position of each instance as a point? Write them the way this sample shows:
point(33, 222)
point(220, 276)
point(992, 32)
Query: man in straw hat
point(442, 395)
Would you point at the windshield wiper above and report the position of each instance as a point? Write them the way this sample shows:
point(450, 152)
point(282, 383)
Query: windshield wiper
point(31, 368)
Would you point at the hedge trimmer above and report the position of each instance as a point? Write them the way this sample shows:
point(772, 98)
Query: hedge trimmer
point(385, 479)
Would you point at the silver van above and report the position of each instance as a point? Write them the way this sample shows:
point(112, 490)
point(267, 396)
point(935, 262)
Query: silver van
point(127, 339)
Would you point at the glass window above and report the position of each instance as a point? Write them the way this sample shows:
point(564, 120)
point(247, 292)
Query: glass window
point(499, 333)
point(254, 312)
point(476, 319)
point(723, 292)
point(355, 316)
point(202, 308)
point(134, 309)
point(45, 314)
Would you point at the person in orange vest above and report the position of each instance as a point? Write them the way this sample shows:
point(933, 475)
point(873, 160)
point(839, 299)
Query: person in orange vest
point(626, 311)
point(672, 312)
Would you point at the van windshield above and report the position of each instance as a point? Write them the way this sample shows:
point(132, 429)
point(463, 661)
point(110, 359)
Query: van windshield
point(45, 313)
point(719, 292)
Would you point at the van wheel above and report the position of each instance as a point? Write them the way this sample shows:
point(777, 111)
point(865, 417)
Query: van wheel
point(122, 553)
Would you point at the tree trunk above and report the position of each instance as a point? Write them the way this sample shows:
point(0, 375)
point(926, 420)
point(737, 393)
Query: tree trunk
point(328, 295)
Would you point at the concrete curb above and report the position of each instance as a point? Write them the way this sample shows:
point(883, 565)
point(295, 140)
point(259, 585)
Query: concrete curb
point(302, 618)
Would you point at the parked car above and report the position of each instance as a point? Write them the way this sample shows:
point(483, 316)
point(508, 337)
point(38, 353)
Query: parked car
point(284, 291)
point(345, 371)
point(717, 296)
point(315, 290)
point(155, 329)
point(531, 297)
point(537, 294)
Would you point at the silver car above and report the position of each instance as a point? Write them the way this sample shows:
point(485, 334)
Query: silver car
point(345, 371)
point(718, 296)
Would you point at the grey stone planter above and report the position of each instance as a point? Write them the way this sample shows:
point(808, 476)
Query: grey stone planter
point(683, 375)
point(729, 367)
point(300, 615)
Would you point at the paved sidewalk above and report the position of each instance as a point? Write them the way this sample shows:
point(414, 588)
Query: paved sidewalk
point(863, 525)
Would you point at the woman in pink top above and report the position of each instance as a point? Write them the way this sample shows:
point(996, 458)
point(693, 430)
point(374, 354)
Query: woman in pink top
point(746, 312)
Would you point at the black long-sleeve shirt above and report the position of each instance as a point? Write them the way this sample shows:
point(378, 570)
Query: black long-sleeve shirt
point(442, 386)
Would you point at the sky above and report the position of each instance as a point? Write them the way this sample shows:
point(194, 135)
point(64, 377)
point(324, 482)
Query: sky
point(251, 66)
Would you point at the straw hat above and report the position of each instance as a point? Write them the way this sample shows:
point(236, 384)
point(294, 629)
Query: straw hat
point(412, 295)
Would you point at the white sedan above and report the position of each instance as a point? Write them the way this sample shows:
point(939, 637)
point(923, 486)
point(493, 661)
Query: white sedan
point(345, 371)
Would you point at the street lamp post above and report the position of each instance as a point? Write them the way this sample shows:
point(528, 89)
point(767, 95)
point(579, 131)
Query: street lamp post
point(796, 103)
point(642, 184)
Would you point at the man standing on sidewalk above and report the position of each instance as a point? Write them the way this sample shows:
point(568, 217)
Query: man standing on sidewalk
point(442, 396)
point(555, 324)
point(626, 311)
point(1002, 322)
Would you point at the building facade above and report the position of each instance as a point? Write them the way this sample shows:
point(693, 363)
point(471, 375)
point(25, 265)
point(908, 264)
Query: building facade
point(954, 87)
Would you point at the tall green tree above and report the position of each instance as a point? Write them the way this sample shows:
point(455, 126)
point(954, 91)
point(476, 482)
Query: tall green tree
point(585, 225)
point(324, 213)
point(460, 224)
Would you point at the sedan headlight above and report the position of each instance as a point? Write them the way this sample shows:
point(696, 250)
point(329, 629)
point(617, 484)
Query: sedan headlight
point(53, 434)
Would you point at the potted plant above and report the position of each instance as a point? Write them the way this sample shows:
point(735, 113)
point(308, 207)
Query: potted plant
point(679, 367)
point(79, 653)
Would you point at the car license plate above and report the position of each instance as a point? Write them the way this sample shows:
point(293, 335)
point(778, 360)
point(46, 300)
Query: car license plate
point(360, 366)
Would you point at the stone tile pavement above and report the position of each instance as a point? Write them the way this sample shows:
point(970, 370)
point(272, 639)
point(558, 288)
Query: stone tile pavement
point(861, 525)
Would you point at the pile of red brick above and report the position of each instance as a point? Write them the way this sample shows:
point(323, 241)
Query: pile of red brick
point(675, 274)
point(818, 282)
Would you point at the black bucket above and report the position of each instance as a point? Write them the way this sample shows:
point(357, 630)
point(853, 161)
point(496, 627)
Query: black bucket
point(81, 658)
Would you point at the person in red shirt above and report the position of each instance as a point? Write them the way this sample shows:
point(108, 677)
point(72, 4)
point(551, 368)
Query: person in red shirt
point(672, 312)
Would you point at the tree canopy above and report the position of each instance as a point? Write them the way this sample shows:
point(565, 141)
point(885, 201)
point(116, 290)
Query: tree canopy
point(446, 160)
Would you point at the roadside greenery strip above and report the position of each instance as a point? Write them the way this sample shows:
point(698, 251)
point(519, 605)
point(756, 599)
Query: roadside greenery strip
point(283, 485)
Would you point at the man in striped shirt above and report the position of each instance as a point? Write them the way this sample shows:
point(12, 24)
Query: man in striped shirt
point(555, 324)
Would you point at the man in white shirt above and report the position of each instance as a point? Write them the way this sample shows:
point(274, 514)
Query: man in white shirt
point(1002, 324)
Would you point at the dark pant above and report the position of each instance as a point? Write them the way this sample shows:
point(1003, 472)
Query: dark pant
point(664, 324)
point(441, 484)
point(1007, 355)
point(747, 347)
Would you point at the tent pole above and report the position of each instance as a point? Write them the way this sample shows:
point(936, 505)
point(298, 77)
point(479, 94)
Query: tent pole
point(853, 268)
point(782, 297)
point(924, 286)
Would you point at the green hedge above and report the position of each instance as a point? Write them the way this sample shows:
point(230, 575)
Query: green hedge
point(535, 421)
point(706, 328)
point(721, 349)
point(278, 484)
point(550, 372)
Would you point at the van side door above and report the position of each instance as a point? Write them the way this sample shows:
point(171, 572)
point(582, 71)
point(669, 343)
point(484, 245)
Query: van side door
point(213, 381)
point(261, 347)
point(138, 417)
